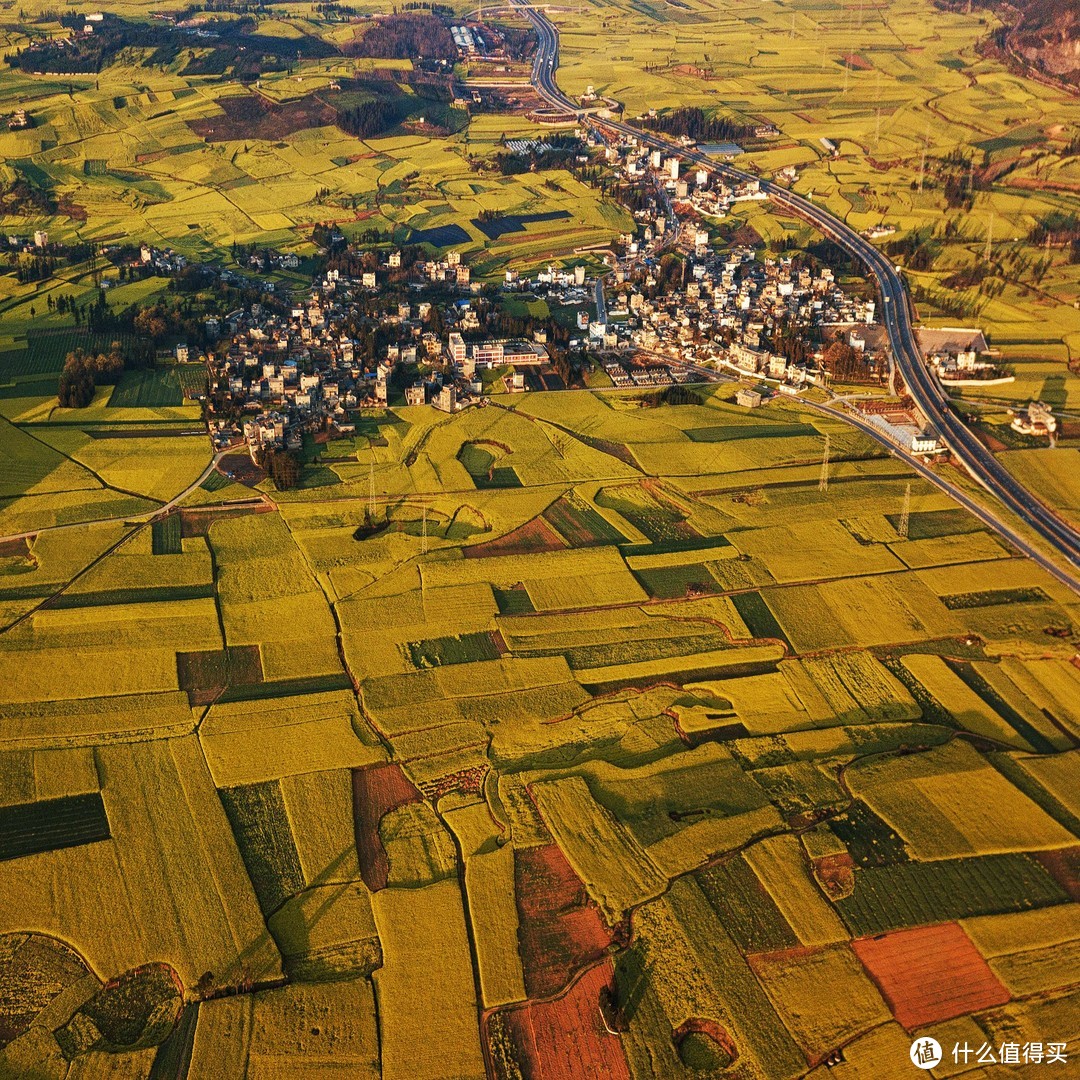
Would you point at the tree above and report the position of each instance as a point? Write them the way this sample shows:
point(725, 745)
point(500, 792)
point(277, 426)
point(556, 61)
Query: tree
point(283, 467)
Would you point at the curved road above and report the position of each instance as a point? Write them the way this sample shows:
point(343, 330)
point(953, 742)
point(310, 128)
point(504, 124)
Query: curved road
point(895, 309)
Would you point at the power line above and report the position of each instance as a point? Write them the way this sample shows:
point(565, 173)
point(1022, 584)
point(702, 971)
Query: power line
point(905, 514)
point(823, 483)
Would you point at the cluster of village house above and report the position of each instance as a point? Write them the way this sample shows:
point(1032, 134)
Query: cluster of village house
point(288, 372)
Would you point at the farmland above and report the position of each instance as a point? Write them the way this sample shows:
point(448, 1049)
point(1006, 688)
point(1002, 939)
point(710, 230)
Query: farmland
point(896, 102)
point(156, 153)
point(582, 733)
point(559, 770)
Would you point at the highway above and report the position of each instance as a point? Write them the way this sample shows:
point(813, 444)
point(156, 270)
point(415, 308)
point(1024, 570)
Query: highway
point(895, 313)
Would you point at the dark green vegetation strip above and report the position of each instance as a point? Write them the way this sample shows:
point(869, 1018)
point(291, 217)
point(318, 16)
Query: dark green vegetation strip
point(630, 650)
point(580, 524)
point(744, 906)
point(314, 684)
point(151, 594)
point(215, 481)
point(730, 432)
point(46, 349)
point(994, 597)
point(667, 547)
point(461, 649)
point(869, 840)
point(912, 894)
point(515, 601)
point(153, 389)
point(264, 836)
point(1031, 735)
point(931, 524)
point(27, 828)
point(671, 582)
point(758, 616)
point(165, 536)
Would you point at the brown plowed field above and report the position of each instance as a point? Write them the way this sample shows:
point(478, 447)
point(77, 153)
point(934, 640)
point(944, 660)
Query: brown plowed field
point(533, 536)
point(566, 1039)
point(560, 929)
point(1063, 866)
point(377, 790)
point(929, 974)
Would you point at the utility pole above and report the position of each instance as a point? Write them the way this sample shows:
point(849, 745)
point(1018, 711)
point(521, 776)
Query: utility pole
point(925, 147)
point(989, 237)
point(823, 482)
point(371, 489)
point(905, 514)
point(423, 539)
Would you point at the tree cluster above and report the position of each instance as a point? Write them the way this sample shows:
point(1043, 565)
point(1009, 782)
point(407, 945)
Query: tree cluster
point(84, 371)
point(372, 117)
point(282, 466)
point(697, 124)
point(407, 37)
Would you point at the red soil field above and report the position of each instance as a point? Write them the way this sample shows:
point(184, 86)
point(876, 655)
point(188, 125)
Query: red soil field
point(928, 974)
point(535, 535)
point(377, 790)
point(560, 928)
point(566, 1039)
point(14, 549)
point(198, 522)
point(1063, 866)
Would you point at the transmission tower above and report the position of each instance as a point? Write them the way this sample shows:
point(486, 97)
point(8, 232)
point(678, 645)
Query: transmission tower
point(371, 488)
point(989, 237)
point(905, 513)
point(823, 483)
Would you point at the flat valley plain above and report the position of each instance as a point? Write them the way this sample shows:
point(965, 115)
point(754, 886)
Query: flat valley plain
point(655, 721)
point(650, 759)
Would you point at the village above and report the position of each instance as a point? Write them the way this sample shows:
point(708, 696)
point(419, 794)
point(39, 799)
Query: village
point(669, 305)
